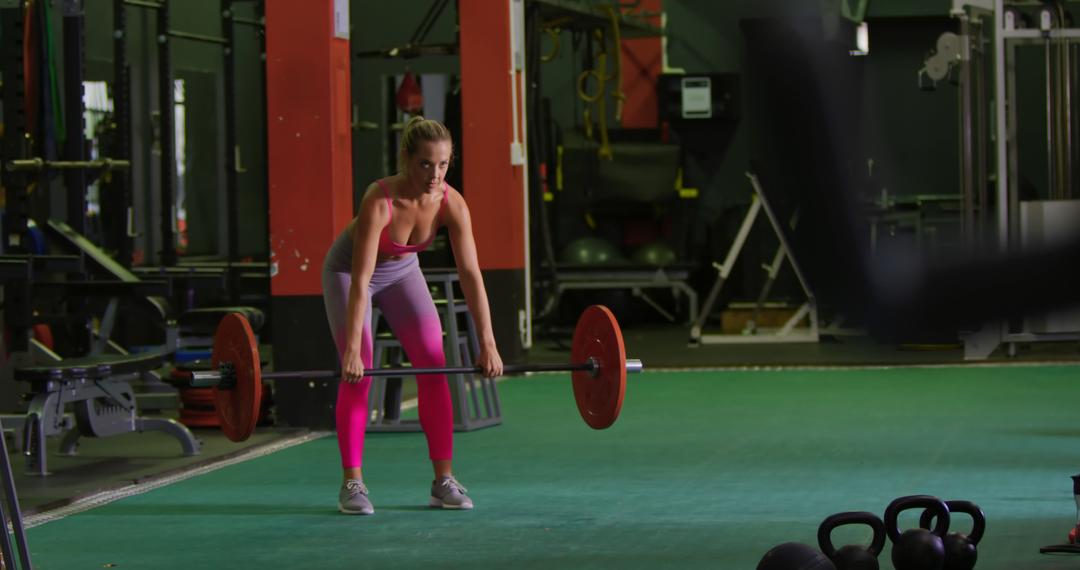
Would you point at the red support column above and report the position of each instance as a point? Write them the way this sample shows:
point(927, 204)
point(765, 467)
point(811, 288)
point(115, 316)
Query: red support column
point(308, 126)
point(642, 63)
point(311, 193)
point(494, 185)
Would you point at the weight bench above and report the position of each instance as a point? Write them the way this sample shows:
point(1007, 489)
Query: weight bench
point(100, 391)
point(636, 279)
point(199, 322)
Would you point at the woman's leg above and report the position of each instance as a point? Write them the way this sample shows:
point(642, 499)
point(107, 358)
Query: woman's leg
point(411, 313)
point(351, 411)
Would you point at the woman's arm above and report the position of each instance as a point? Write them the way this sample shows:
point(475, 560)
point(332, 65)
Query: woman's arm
point(374, 215)
point(459, 224)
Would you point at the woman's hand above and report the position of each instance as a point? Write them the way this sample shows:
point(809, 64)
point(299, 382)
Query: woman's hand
point(489, 361)
point(352, 367)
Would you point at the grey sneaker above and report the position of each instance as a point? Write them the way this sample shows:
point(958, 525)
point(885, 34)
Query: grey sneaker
point(447, 493)
point(353, 499)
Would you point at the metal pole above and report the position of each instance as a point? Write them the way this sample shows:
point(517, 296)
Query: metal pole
point(509, 369)
point(74, 144)
point(1051, 127)
point(122, 116)
point(1074, 155)
point(17, 311)
point(260, 14)
point(982, 202)
point(1065, 110)
point(1001, 126)
point(16, 211)
point(232, 183)
point(967, 166)
point(167, 133)
point(1012, 127)
point(74, 136)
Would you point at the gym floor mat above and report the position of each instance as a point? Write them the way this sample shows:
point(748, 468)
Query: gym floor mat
point(702, 470)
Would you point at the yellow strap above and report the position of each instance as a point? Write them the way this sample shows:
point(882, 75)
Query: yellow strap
point(558, 168)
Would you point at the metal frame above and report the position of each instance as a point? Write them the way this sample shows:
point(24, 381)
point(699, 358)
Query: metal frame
point(788, 332)
point(232, 183)
point(122, 113)
point(167, 123)
point(17, 206)
point(1007, 37)
point(635, 280)
point(74, 123)
point(12, 515)
point(45, 417)
point(476, 399)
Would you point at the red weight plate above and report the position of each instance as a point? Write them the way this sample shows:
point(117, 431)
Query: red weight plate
point(180, 375)
point(599, 398)
point(199, 421)
point(238, 406)
point(201, 395)
point(198, 413)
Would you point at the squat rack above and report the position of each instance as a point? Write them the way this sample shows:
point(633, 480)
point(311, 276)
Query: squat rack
point(166, 101)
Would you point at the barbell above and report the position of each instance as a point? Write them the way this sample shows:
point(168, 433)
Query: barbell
point(39, 164)
point(599, 367)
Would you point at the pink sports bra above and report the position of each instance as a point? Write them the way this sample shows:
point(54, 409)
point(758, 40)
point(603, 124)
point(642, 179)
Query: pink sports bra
point(390, 247)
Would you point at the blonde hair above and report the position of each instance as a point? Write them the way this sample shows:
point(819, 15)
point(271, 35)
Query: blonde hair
point(419, 130)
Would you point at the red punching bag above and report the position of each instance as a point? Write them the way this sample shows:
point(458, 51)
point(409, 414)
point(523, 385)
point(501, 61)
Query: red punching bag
point(409, 98)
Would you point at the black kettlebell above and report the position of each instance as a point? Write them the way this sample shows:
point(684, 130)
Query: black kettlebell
point(960, 548)
point(852, 556)
point(917, 548)
point(794, 556)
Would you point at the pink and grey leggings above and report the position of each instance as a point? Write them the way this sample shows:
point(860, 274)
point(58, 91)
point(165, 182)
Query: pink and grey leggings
point(401, 292)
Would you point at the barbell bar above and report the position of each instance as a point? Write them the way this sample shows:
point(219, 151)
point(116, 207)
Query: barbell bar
point(226, 380)
point(598, 371)
point(38, 164)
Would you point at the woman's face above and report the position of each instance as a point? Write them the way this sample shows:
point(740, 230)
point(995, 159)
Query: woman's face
point(428, 165)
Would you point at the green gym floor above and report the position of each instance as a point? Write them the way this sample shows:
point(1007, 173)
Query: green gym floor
point(704, 469)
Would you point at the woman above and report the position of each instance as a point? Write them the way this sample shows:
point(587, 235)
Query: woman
point(374, 260)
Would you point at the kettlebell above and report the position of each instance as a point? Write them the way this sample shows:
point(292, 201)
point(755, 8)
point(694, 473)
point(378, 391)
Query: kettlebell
point(960, 548)
point(852, 556)
point(917, 548)
point(794, 556)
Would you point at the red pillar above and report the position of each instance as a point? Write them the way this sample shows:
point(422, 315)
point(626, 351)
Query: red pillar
point(642, 63)
point(310, 196)
point(308, 126)
point(494, 186)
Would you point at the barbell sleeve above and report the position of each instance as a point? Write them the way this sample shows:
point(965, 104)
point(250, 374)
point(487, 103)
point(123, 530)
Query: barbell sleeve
point(210, 378)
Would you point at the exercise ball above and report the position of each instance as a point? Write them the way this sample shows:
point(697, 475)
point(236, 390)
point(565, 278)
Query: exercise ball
point(590, 251)
point(655, 254)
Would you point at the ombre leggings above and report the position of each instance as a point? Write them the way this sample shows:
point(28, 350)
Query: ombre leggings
point(401, 292)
